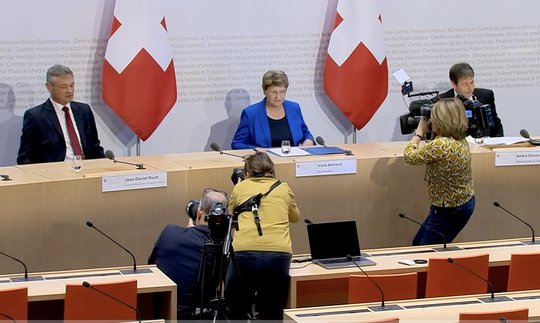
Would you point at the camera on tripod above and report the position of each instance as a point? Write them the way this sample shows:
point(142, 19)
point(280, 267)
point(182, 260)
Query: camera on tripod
point(218, 222)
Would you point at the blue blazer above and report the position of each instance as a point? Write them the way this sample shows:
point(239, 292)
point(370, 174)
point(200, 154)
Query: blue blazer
point(42, 139)
point(254, 131)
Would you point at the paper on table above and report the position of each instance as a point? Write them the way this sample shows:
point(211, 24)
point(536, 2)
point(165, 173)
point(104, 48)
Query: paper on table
point(496, 141)
point(295, 151)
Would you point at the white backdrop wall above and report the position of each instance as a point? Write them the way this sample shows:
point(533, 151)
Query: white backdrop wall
point(222, 48)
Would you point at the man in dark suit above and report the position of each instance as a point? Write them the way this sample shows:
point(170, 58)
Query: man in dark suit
point(462, 80)
point(60, 128)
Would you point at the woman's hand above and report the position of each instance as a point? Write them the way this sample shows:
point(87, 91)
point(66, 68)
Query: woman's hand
point(423, 126)
point(307, 142)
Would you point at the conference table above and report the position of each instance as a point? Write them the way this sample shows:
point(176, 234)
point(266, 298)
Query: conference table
point(312, 285)
point(46, 290)
point(45, 207)
point(440, 309)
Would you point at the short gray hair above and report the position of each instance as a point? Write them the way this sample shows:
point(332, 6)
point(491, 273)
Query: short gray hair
point(58, 70)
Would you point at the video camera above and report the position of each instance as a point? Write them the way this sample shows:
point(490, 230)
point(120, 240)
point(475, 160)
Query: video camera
point(479, 115)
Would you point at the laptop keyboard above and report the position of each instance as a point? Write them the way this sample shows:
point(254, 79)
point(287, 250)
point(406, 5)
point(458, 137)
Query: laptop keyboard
point(340, 260)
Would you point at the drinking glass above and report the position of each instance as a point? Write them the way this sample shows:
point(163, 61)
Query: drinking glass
point(285, 146)
point(76, 163)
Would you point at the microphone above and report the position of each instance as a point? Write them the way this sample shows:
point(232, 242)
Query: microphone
point(308, 221)
point(91, 225)
point(515, 216)
point(525, 134)
point(215, 147)
point(444, 248)
point(492, 298)
point(320, 141)
point(137, 313)
point(374, 308)
point(25, 278)
point(8, 317)
point(110, 155)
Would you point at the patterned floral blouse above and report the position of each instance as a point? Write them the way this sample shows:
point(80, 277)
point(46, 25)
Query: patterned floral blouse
point(448, 169)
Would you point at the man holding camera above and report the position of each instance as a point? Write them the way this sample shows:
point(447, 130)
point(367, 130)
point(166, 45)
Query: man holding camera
point(462, 80)
point(179, 250)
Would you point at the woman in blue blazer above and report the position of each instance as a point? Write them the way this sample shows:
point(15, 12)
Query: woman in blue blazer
point(266, 123)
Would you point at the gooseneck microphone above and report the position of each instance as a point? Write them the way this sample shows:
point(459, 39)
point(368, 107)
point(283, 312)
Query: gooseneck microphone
point(91, 225)
point(383, 307)
point(215, 147)
point(137, 313)
point(110, 155)
point(525, 134)
point(496, 204)
point(25, 277)
point(20, 261)
point(320, 141)
point(453, 261)
point(444, 248)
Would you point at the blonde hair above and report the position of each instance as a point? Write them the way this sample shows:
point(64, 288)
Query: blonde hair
point(274, 78)
point(450, 118)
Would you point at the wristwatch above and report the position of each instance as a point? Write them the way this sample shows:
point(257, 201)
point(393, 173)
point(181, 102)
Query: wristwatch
point(417, 135)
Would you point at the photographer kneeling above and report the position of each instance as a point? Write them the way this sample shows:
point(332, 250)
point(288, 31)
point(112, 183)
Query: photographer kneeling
point(448, 171)
point(179, 250)
point(262, 244)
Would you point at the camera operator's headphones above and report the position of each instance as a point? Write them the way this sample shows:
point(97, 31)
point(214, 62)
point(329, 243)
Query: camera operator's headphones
point(252, 204)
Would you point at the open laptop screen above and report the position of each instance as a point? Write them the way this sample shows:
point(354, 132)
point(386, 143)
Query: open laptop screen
point(333, 239)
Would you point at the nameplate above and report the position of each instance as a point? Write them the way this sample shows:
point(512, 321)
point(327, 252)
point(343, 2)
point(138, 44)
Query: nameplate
point(133, 181)
point(326, 167)
point(517, 157)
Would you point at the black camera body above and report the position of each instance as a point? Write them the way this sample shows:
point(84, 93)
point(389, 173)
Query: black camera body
point(191, 209)
point(418, 109)
point(480, 117)
point(218, 222)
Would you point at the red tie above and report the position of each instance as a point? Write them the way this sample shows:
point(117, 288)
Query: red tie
point(77, 150)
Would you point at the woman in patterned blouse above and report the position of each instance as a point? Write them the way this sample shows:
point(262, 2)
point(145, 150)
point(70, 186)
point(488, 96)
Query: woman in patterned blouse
point(448, 171)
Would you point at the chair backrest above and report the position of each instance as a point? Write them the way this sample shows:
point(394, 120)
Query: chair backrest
point(395, 287)
point(523, 272)
point(387, 320)
point(517, 315)
point(82, 303)
point(449, 279)
point(14, 302)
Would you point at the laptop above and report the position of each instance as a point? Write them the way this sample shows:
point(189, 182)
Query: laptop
point(331, 242)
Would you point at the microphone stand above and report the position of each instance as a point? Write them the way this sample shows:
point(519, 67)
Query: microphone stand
point(533, 241)
point(138, 165)
point(492, 298)
point(383, 307)
point(439, 249)
point(25, 278)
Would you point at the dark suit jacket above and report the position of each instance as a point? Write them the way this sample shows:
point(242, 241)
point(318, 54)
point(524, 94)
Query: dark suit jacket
point(254, 130)
point(42, 139)
point(485, 96)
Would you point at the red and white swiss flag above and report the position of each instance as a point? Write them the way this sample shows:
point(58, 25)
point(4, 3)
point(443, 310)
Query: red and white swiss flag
point(356, 70)
point(139, 82)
